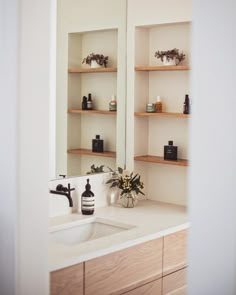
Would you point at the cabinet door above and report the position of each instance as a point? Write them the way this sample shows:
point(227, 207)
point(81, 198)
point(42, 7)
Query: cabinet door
point(152, 288)
point(175, 283)
point(124, 270)
point(175, 252)
point(67, 281)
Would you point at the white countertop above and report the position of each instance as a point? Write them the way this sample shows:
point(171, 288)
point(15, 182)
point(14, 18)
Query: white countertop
point(150, 219)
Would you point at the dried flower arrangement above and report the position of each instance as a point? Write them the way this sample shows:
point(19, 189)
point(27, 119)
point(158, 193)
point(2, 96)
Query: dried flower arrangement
point(126, 183)
point(172, 54)
point(99, 58)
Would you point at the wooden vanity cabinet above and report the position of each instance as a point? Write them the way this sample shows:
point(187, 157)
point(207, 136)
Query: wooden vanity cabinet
point(156, 267)
point(67, 281)
point(174, 253)
point(124, 270)
point(152, 288)
point(175, 283)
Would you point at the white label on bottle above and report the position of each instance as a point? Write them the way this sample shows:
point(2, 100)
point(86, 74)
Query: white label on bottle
point(88, 203)
point(88, 199)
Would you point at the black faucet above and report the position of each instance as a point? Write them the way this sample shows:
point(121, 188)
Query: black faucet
point(64, 191)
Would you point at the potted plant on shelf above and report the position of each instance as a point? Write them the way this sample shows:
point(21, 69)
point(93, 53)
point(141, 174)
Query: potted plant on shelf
point(170, 57)
point(96, 60)
point(129, 185)
point(94, 169)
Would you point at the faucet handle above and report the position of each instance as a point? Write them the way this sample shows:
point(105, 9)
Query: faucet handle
point(61, 188)
point(62, 175)
point(70, 189)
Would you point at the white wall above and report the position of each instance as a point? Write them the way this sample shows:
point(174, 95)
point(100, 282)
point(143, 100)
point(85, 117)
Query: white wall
point(33, 147)
point(104, 196)
point(8, 149)
point(212, 247)
point(25, 48)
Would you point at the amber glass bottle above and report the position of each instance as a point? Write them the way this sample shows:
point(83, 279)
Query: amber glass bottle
point(158, 105)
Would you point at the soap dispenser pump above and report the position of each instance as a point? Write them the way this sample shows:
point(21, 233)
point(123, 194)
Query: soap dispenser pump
point(87, 200)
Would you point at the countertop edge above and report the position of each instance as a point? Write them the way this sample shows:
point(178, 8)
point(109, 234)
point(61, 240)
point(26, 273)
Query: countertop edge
point(118, 247)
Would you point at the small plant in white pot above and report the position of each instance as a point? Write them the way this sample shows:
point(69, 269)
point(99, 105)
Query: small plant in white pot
point(96, 60)
point(170, 57)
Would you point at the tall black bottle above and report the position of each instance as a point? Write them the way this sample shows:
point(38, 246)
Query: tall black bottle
point(84, 103)
point(186, 105)
point(87, 200)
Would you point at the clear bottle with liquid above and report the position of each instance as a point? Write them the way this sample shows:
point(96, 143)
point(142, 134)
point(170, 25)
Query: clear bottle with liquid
point(113, 104)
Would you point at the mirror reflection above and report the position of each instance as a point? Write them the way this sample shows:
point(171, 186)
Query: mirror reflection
point(90, 88)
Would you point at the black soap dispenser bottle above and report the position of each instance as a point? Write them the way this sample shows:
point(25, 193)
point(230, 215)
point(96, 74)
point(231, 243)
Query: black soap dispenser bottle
point(170, 151)
point(87, 200)
point(97, 145)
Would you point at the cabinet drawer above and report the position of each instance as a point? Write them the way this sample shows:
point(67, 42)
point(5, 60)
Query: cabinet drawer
point(152, 288)
point(175, 252)
point(67, 281)
point(175, 283)
point(124, 270)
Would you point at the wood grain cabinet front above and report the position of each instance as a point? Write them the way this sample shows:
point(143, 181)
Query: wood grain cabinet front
point(152, 288)
point(124, 270)
point(67, 281)
point(175, 283)
point(175, 252)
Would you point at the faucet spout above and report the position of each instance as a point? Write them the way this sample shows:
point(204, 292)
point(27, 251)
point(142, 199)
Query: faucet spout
point(64, 191)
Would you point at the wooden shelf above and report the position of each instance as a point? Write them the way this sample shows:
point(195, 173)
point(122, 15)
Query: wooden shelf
point(90, 153)
point(91, 112)
point(167, 115)
point(162, 68)
point(92, 70)
point(160, 160)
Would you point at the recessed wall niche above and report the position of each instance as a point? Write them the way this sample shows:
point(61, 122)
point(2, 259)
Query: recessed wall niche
point(83, 126)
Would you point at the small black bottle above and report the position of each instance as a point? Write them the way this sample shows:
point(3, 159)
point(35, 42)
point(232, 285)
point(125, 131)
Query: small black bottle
point(84, 103)
point(97, 145)
point(87, 200)
point(89, 102)
point(186, 105)
point(170, 151)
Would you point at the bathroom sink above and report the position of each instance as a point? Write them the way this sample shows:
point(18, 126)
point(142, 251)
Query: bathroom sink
point(86, 230)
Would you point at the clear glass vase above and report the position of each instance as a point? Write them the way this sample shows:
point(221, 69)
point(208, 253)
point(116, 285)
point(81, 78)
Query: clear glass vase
point(128, 200)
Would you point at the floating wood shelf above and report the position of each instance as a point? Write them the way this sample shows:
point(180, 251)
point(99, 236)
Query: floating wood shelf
point(94, 112)
point(168, 115)
point(92, 70)
point(90, 153)
point(160, 160)
point(162, 68)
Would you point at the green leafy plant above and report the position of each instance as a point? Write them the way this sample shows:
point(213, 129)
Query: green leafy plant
point(126, 183)
point(96, 169)
point(99, 58)
point(170, 55)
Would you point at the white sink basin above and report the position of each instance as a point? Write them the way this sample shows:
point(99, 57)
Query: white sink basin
point(86, 230)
